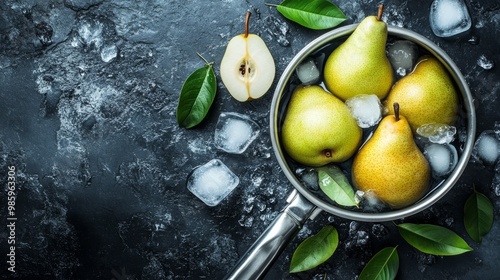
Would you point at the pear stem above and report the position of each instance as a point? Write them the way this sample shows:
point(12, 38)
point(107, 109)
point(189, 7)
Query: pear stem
point(247, 20)
point(380, 11)
point(396, 111)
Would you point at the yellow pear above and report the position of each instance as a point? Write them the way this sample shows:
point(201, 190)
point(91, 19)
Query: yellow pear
point(318, 128)
point(391, 165)
point(426, 95)
point(247, 68)
point(360, 64)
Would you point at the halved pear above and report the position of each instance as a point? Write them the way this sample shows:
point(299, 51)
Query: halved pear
point(247, 68)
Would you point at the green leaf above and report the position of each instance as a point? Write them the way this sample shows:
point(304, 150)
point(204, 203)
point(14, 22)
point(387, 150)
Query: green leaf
point(336, 186)
point(196, 97)
point(314, 14)
point(315, 250)
point(433, 239)
point(383, 266)
point(478, 216)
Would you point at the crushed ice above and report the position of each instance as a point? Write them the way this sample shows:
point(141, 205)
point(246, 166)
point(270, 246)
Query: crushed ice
point(91, 33)
point(485, 62)
point(437, 132)
point(109, 52)
point(495, 183)
point(366, 109)
point(369, 202)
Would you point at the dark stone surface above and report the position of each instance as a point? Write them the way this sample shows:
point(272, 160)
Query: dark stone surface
point(88, 92)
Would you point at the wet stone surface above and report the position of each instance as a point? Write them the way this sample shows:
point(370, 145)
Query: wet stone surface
point(88, 93)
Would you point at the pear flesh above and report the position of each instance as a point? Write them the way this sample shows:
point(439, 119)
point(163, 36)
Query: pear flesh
point(427, 95)
point(391, 165)
point(318, 128)
point(247, 68)
point(360, 64)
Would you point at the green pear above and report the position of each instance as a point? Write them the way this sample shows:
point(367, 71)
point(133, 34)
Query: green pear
point(391, 165)
point(247, 68)
point(360, 64)
point(318, 128)
point(426, 95)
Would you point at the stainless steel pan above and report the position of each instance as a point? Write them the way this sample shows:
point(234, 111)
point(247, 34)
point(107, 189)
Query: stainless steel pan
point(303, 203)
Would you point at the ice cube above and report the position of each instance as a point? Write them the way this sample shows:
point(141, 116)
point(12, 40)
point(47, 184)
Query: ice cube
point(369, 202)
point(212, 182)
point(309, 177)
point(487, 148)
point(308, 72)
point(437, 132)
point(402, 54)
point(234, 132)
point(442, 158)
point(449, 17)
point(108, 53)
point(366, 109)
point(462, 137)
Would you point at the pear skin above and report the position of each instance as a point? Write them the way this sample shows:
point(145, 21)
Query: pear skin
point(360, 64)
point(391, 165)
point(426, 95)
point(318, 128)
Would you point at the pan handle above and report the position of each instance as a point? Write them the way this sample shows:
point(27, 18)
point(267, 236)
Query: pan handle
point(258, 259)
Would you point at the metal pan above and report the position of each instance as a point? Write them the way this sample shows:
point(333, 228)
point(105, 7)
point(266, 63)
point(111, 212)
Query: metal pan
point(303, 203)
